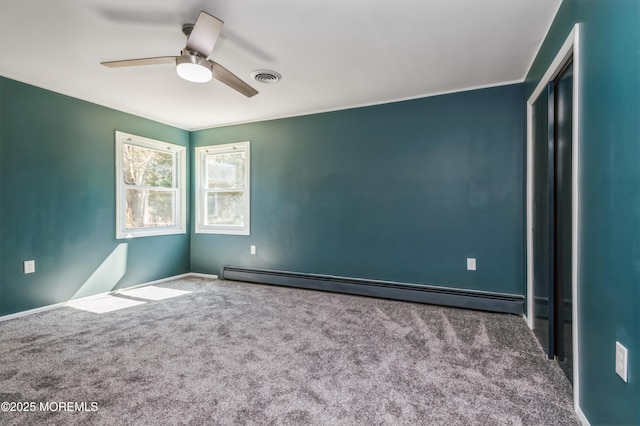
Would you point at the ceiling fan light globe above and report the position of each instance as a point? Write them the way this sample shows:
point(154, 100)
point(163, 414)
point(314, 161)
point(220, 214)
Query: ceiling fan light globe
point(194, 69)
point(194, 72)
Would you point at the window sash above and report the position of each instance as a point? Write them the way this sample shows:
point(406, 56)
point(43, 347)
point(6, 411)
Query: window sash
point(160, 149)
point(207, 177)
point(151, 188)
point(146, 211)
point(206, 213)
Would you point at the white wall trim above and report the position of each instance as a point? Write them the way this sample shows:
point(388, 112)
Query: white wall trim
point(34, 311)
point(179, 187)
point(106, 293)
point(199, 275)
point(582, 417)
point(201, 172)
point(570, 47)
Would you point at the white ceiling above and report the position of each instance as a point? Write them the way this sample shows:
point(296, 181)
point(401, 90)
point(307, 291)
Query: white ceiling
point(332, 54)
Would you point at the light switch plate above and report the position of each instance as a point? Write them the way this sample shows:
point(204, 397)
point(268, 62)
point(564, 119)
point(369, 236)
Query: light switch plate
point(471, 264)
point(621, 361)
point(29, 266)
point(253, 249)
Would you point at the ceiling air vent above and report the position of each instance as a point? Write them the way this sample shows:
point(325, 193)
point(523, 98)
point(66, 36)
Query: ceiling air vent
point(266, 76)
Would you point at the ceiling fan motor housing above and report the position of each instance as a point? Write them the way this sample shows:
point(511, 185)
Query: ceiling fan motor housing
point(187, 28)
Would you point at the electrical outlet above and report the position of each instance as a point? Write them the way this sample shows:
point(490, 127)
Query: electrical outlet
point(29, 266)
point(471, 264)
point(621, 361)
point(253, 249)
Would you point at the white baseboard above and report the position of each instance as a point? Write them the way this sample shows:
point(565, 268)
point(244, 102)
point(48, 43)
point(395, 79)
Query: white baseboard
point(582, 417)
point(33, 311)
point(162, 280)
point(199, 275)
point(106, 293)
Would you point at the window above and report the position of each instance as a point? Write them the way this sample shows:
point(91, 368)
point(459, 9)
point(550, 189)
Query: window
point(150, 187)
point(223, 190)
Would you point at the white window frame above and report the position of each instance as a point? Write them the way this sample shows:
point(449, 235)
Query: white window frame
point(179, 175)
point(200, 204)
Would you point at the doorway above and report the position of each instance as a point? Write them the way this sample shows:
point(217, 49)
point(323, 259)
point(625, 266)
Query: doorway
point(553, 209)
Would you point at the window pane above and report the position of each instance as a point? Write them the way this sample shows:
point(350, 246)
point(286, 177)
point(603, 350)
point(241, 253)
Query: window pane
point(147, 167)
point(225, 171)
point(225, 208)
point(148, 209)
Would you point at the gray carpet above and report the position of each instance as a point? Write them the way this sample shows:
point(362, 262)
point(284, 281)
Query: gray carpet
point(237, 353)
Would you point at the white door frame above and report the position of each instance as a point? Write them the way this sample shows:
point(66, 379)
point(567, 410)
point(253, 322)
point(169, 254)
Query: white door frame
point(571, 47)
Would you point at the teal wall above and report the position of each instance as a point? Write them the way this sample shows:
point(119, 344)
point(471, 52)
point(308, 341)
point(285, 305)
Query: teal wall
point(57, 202)
point(609, 274)
point(402, 192)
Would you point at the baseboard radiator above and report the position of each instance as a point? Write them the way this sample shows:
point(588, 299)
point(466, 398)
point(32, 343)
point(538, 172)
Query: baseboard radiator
point(459, 298)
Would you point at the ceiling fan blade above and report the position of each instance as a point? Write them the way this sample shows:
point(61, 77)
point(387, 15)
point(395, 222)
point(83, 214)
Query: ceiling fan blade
point(225, 76)
point(142, 61)
point(138, 16)
point(204, 34)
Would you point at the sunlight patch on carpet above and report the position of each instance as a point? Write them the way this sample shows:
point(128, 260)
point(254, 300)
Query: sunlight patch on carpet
point(104, 304)
point(153, 293)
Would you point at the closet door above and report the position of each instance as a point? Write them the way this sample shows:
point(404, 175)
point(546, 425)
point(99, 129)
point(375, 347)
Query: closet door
point(552, 219)
point(563, 219)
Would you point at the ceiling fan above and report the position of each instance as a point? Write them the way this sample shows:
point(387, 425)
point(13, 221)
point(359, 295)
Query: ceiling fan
point(192, 64)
